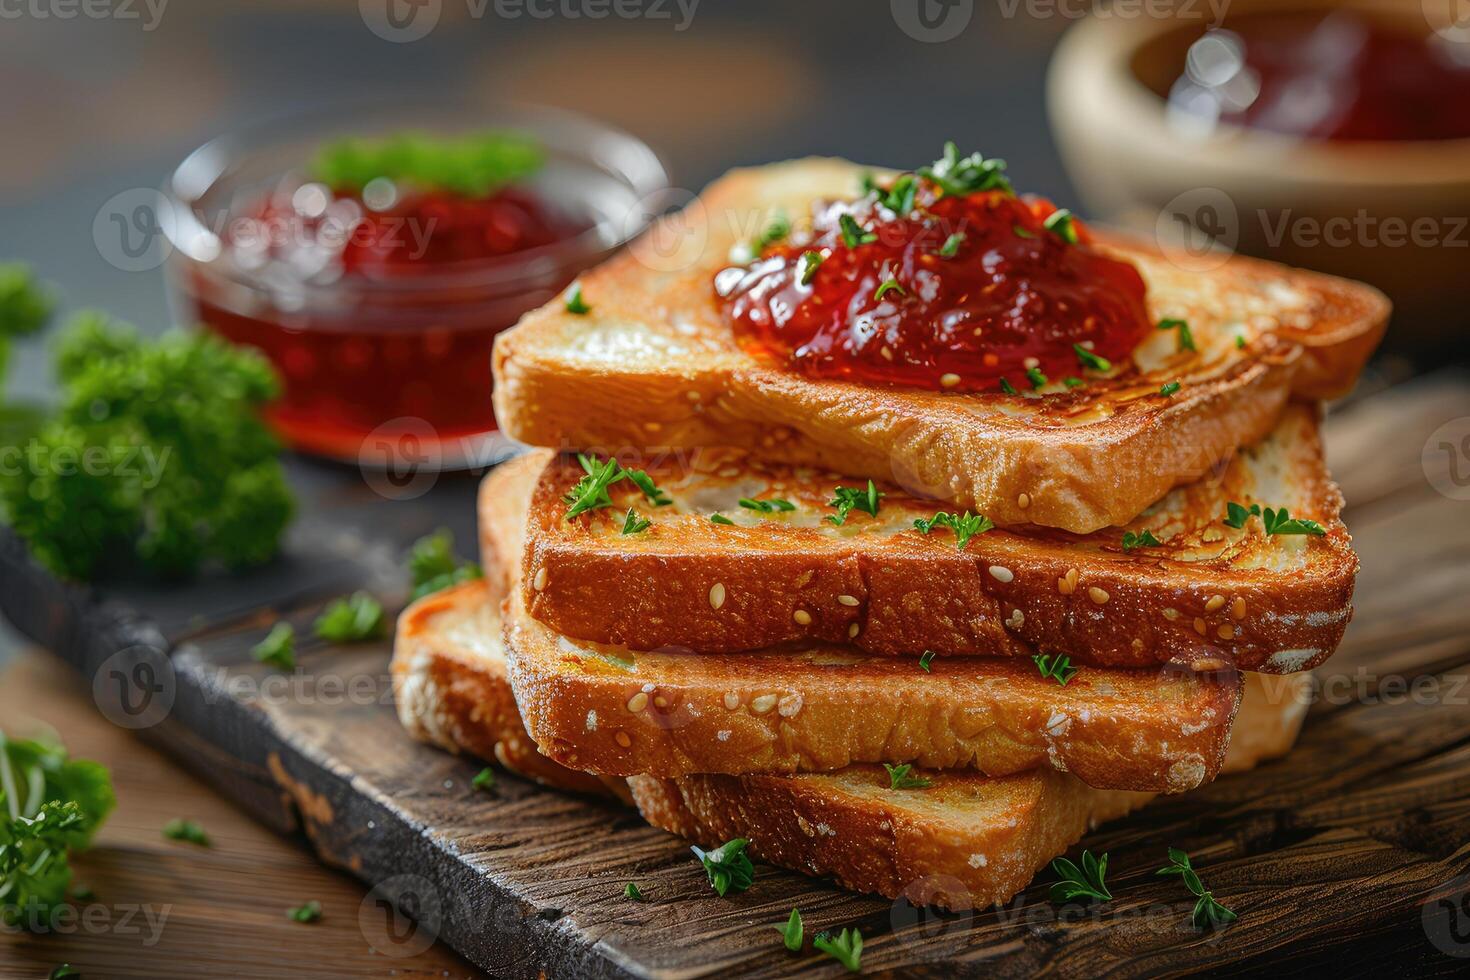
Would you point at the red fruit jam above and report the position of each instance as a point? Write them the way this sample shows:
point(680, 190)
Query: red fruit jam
point(373, 314)
point(962, 292)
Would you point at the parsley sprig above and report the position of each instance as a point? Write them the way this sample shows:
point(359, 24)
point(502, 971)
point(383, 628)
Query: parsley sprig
point(951, 246)
point(433, 565)
point(853, 234)
point(728, 866)
point(899, 197)
point(1145, 539)
point(958, 176)
point(1275, 521)
point(1207, 911)
point(634, 523)
point(1088, 881)
point(899, 778)
point(792, 932)
point(630, 890)
point(472, 165)
point(1058, 668)
point(350, 619)
point(848, 499)
point(591, 492)
point(846, 947)
point(964, 527)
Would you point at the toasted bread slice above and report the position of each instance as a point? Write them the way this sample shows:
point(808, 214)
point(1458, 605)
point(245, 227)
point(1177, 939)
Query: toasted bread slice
point(1207, 593)
point(619, 712)
point(966, 840)
point(654, 364)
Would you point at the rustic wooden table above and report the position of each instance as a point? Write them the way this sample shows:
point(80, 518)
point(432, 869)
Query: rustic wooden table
point(165, 909)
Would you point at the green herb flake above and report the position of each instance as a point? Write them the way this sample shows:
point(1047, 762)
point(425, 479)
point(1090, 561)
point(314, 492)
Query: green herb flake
point(310, 912)
point(1280, 522)
point(484, 779)
point(1089, 881)
point(1007, 387)
point(808, 265)
point(766, 506)
point(1062, 224)
point(1073, 382)
point(1236, 515)
point(1186, 338)
point(899, 778)
point(473, 165)
point(888, 286)
point(720, 519)
point(848, 499)
point(351, 619)
point(1170, 388)
point(1144, 539)
point(433, 566)
point(278, 648)
point(1207, 911)
point(792, 932)
point(1036, 378)
point(853, 234)
point(648, 488)
point(776, 230)
point(630, 891)
point(899, 198)
point(188, 831)
point(951, 246)
point(576, 304)
point(64, 972)
point(964, 527)
point(590, 492)
point(1022, 232)
point(1058, 668)
point(958, 177)
point(728, 866)
point(926, 660)
point(1090, 360)
point(634, 524)
point(846, 947)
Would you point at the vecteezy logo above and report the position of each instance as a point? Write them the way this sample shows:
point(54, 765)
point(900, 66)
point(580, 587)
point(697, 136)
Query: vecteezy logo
point(401, 916)
point(400, 21)
point(132, 230)
point(135, 687)
point(1446, 918)
point(1199, 229)
point(677, 232)
point(1446, 458)
point(932, 21)
point(915, 919)
point(401, 459)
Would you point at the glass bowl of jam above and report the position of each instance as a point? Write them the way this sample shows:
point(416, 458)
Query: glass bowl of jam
point(374, 255)
point(1328, 134)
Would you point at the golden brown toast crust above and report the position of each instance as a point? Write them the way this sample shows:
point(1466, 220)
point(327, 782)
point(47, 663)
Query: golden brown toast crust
point(620, 712)
point(654, 365)
point(1209, 593)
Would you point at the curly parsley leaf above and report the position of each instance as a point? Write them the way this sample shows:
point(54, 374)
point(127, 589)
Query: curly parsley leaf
point(728, 866)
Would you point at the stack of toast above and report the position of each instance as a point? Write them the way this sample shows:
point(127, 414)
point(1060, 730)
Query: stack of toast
point(915, 641)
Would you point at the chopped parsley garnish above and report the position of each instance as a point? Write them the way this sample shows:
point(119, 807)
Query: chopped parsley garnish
point(899, 778)
point(1236, 515)
point(728, 866)
point(630, 890)
point(1021, 232)
point(964, 528)
point(484, 779)
point(888, 286)
point(1240, 341)
point(1073, 382)
point(1144, 540)
point(1207, 911)
point(188, 831)
point(648, 488)
point(1090, 360)
point(868, 184)
point(350, 619)
point(1058, 668)
point(792, 932)
point(1186, 339)
point(63, 972)
point(1062, 224)
point(575, 303)
point(1089, 881)
point(634, 524)
point(807, 267)
point(590, 493)
point(433, 565)
point(310, 912)
point(900, 197)
point(779, 228)
point(1007, 387)
point(846, 947)
point(472, 165)
point(926, 660)
point(278, 648)
point(951, 246)
point(970, 175)
point(1170, 388)
point(847, 499)
point(1036, 378)
point(766, 506)
point(1280, 522)
point(720, 519)
point(853, 234)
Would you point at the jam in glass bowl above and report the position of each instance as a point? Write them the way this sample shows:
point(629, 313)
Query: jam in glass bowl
point(373, 256)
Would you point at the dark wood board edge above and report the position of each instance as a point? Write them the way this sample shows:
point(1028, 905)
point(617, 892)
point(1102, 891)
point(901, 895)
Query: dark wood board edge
point(250, 761)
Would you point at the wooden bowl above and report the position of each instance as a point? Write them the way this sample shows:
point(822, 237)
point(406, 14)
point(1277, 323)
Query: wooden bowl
point(1391, 213)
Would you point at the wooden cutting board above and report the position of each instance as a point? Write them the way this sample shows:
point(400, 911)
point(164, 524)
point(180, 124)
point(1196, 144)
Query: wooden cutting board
point(1353, 850)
